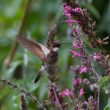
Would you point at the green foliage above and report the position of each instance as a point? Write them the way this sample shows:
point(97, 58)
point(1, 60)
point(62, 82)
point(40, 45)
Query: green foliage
point(103, 80)
point(105, 84)
point(107, 107)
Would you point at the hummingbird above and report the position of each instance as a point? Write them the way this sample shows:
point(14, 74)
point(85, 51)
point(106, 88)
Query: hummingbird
point(48, 56)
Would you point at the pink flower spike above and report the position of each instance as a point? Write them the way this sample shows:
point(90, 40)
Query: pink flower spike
point(70, 21)
point(74, 53)
point(66, 92)
point(81, 93)
point(83, 69)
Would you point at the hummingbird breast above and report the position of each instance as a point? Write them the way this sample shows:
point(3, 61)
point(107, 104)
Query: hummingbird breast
point(52, 58)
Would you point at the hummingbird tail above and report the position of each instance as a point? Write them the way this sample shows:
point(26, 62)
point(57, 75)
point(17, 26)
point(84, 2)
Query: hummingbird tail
point(39, 74)
point(37, 77)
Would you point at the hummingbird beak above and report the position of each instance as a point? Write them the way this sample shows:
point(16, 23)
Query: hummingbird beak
point(66, 43)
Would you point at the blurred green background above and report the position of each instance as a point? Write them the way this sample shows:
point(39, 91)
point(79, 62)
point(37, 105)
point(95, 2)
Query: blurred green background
point(41, 16)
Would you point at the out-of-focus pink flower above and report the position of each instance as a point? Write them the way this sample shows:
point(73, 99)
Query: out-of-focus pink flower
point(81, 93)
point(74, 53)
point(70, 21)
point(91, 101)
point(66, 92)
point(49, 94)
point(83, 69)
point(77, 45)
point(68, 15)
point(90, 98)
point(77, 10)
point(67, 10)
point(96, 56)
point(75, 31)
point(77, 81)
point(85, 103)
point(75, 69)
point(78, 107)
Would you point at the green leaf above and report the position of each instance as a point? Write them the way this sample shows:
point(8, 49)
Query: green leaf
point(13, 66)
point(107, 108)
point(103, 80)
point(109, 102)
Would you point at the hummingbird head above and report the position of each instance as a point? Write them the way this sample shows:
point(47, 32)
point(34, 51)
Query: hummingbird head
point(56, 45)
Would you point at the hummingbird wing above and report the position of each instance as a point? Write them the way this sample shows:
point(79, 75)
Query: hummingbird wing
point(39, 74)
point(37, 49)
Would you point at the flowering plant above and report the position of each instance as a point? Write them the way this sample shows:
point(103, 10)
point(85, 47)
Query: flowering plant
point(89, 64)
point(85, 76)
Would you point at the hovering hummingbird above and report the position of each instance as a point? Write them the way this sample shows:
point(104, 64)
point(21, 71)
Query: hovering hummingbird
point(48, 56)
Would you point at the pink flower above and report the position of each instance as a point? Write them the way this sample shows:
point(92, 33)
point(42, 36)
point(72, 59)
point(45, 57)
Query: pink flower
point(90, 98)
point(77, 10)
point(70, 21)
point(77, 81)
point(68, 15)
point(67, 10)
point(74, 53)
point(75, 69)
point(83, 69)
point(76, 32)
point(85, 103)
point(81, 93)
point(77, 45)
point(78, 107)
point(66, 92)
point(96, 57)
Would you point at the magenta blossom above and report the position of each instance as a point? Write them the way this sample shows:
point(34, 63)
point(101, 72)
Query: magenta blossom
point(67, 10)
point(85, 103)
point(77, 10)
point(81, 93)
point(78, 107)
point(96, 56)
point(77, 45)
point(75, 31)
point(70, 21)
point(75, 69)
point(77, 81)
point(66, 92)
point(91, 101)
point(83, 69)
point(68, 15)
point(90, 98)
point(74, 53)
